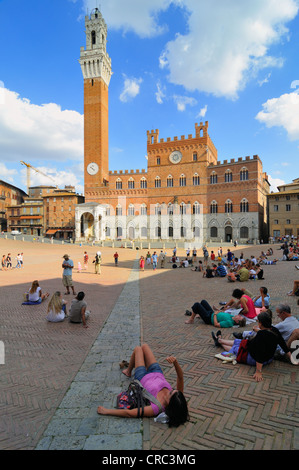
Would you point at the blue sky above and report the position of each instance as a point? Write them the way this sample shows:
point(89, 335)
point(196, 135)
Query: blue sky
point(175, 63)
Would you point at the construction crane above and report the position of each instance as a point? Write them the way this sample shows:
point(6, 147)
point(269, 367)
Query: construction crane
point(29, 167)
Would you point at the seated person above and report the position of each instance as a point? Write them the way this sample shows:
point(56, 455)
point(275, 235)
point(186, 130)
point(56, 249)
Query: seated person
point(208, 272)
point(35, 293)
point(295, 288)
point(78, 312)
point(263, 300)
point(231, 276)
point(257, 351)
point(243, 274)
point(184, 263)
point(218, 318)
point(56, 308)
point(199, 267)
point(221, 270)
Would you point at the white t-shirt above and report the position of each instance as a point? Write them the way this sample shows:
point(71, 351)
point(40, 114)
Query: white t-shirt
point(35, 296)
point(55, 317)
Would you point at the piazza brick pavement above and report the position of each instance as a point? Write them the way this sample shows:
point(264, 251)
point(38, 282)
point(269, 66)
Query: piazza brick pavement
point(228, 409)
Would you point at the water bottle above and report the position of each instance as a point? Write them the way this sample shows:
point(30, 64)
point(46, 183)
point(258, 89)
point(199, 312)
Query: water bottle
point(161, 418)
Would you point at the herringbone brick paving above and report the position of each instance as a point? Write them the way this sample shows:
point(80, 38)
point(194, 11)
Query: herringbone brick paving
point(228, 410)
point(42, 358)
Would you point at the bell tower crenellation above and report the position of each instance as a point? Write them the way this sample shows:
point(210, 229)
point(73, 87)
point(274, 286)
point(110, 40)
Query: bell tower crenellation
point(96, 69)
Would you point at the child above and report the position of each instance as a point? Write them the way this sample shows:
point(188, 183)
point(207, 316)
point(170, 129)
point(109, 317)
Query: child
point(141, 263)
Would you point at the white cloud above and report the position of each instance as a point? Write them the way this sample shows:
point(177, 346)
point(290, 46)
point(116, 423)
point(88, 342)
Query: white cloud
point(282, 112)
point(60, 178)
point(202, 112)
point(7, 174)
point(139, 16)
point(275, 182)
point(183, 101)
point(46, 132)
point(227, 44)
point(265, 80)
point(131, 89)
point(160, 93)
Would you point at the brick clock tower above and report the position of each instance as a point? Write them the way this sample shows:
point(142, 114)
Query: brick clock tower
point(96, 68)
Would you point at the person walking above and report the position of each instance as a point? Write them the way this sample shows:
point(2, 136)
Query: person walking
point(85, 260)
point(154, 260)
point(97, 262)
point(115, 258)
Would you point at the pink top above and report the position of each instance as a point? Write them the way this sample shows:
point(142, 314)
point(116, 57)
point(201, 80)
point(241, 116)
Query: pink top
point(251, 308)
point(154, 382)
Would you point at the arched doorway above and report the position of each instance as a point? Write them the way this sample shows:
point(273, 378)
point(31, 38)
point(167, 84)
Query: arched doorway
point(87, 225)
point(228, 233)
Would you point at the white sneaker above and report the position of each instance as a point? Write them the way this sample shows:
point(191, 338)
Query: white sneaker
point(297, 267)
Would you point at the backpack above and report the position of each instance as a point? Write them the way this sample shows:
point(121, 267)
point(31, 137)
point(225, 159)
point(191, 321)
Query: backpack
point(136, 396)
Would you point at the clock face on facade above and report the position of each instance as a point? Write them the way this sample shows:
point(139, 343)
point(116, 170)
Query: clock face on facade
point(92, 168)
point(175, 157)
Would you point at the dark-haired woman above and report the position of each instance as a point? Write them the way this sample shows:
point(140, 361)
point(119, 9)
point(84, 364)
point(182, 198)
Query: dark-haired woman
point(258, 350)
point(150, 374)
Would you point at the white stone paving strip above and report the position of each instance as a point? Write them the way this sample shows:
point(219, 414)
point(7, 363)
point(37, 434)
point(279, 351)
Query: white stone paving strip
point(76, 424)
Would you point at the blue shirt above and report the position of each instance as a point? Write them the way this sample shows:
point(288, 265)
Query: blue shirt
point(221, 271)
point(68, 271)
point(258, 302)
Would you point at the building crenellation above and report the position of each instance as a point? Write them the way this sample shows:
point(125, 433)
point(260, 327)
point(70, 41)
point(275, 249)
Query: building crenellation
point(230, 196)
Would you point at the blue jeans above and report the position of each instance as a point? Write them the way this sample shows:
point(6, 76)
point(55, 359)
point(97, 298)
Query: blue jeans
point(141, 371)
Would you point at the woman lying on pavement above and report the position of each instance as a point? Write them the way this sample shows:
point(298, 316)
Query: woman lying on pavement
point(150, 375)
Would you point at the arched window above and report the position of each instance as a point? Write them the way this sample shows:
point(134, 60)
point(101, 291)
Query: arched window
point(228, 206)
point(143, 183)
point(244, 174)
point(143, 209)
point(169, 181)
point(119, 210)
point(214, 232)
point(213, 207)
point(131, 183)
point(118, 184)
point(157, 209)
point(196, 180)
point(182, 180)
point(213, 178)
point(244, 207)
point(93, 37)
point(182, 208)
point(170, 209)
point(157, 182)
point(196, 208)
point(170, 232)
point(244, 232)
point(228, 176)
point(131, 209)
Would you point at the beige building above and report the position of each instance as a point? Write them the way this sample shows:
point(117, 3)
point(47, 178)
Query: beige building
point(47, 211)
point(9, 196)
point(283, 209)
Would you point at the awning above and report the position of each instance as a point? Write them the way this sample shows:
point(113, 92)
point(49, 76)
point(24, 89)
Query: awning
point(31, 217)
point(50, 232)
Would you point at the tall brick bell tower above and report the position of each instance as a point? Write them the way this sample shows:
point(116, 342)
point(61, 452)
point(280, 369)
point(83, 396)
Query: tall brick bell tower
point(96, 68)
